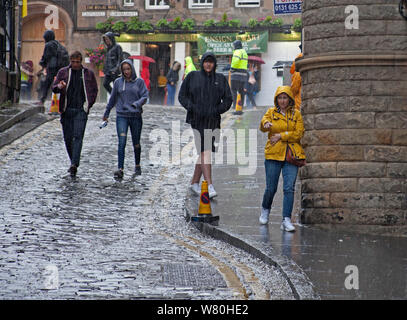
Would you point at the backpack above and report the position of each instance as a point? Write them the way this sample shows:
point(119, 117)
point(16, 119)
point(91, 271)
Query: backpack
point(62, 56)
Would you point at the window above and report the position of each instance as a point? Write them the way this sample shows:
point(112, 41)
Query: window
point(198, 4)
point(157, 4)
point(128, 3)
point(247, 3)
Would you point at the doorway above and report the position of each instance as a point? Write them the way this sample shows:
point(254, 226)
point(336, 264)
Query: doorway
point(32, 45)
point(161, 53)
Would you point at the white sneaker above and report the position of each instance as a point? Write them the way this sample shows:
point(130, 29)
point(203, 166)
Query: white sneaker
point(286, 225)
point(264, 216)
point(195, 188)
point(212, 192)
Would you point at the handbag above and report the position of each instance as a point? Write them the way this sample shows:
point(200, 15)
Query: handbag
point(290, 158)
point(252, 79)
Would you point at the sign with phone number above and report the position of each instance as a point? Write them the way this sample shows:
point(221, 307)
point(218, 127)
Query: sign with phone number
point(287, 6)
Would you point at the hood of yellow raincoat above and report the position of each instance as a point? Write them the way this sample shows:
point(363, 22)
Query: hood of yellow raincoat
point(283, 89)
point(292, 70)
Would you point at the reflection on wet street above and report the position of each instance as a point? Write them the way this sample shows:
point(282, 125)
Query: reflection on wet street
point(95, 237)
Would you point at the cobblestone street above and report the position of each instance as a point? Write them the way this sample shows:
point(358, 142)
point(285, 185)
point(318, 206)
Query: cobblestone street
point(107, 239)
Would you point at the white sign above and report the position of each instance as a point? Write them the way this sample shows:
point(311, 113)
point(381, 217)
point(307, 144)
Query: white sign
point(123, 13)
point(93, 14)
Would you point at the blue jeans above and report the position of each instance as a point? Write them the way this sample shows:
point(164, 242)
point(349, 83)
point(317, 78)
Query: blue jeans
point(122, 126)
point(273, 169)
point(170, 94)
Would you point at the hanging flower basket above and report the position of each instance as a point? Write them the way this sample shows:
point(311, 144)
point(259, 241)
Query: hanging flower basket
point(96, 56)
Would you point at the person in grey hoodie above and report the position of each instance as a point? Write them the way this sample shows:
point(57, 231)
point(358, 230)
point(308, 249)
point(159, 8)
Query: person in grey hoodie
point(129, 94)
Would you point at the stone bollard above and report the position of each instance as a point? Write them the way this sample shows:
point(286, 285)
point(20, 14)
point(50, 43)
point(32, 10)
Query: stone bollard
point(354, 104)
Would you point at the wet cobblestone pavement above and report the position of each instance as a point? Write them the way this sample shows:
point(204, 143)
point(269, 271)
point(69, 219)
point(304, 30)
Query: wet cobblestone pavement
point(106, 239)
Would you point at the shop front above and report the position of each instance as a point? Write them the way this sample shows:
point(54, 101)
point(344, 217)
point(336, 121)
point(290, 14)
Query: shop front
point(165, 48)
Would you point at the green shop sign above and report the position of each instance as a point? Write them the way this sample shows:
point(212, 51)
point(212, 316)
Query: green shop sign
point(221, 43)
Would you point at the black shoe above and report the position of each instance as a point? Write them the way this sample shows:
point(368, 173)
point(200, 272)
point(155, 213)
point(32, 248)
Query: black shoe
point(72, 170)
point(137, 171)
point(118, 174)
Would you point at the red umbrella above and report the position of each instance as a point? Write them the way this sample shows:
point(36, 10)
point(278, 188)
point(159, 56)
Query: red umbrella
point(143, 58)
point(256, 59)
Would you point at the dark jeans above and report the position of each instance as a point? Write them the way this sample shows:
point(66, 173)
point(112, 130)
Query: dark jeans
point(73, 126)
point(237, 86)
point(26, 90)
point(273, 170)
point(250, 99)
point(46, 85)
point(107, 81)
point(122, 126)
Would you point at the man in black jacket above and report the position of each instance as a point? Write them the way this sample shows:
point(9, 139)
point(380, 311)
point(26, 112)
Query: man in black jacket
point(206, 95)
point(111, 67)
point(48, 61)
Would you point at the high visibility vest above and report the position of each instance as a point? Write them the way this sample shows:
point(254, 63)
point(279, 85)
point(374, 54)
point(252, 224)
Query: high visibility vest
point(239, 59)
point(189, 66)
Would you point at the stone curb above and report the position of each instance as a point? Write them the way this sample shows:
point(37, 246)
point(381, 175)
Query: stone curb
point(298, 281)
point(24, 114)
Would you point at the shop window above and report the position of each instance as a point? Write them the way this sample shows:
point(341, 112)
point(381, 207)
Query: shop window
point(128, 3)
point(157, 4)
point(199, 4)
point(247, 3)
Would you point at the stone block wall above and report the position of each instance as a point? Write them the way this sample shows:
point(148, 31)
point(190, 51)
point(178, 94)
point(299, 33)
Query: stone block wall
point(355, 114)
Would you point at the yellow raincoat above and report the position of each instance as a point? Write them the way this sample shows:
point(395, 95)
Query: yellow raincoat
point(290, 127)
point(296, 84)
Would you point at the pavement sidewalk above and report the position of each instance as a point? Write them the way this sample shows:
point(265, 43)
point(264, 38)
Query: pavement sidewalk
point(319, 262)
point(18, 119)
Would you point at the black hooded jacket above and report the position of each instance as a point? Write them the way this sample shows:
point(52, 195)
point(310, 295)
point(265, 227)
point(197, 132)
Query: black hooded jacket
point(205, 96)
point(49, 56)
point(113, 57)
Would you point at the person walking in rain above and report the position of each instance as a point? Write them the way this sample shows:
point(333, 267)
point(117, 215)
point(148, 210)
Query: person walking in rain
point(129, 94)
point(172, 79)
point(285, 128)
point(205, 94)
point(238, 71)
point(189, 66)
point(49, 62)
point(78, 88)
point(111, 66)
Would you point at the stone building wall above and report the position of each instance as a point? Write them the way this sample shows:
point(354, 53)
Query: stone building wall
point(355, 113)
point(181, 10)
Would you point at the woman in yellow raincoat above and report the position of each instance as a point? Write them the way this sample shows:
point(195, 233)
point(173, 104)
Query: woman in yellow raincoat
point(285, 129)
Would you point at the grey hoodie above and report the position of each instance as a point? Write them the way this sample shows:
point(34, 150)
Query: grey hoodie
point(128, 96)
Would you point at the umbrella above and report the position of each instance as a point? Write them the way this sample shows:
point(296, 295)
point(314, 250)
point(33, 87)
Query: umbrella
point(143, 58)
point(256, 59)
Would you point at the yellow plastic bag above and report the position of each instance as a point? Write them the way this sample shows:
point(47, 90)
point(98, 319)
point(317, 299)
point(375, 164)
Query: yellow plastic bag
point(54, 104)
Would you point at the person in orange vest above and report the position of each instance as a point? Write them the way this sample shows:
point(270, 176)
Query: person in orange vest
point(296, 84)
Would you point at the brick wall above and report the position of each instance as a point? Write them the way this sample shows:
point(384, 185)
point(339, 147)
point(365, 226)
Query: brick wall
point(355, 114)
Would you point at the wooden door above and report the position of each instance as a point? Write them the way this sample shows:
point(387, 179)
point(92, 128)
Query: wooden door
point(32, 45)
